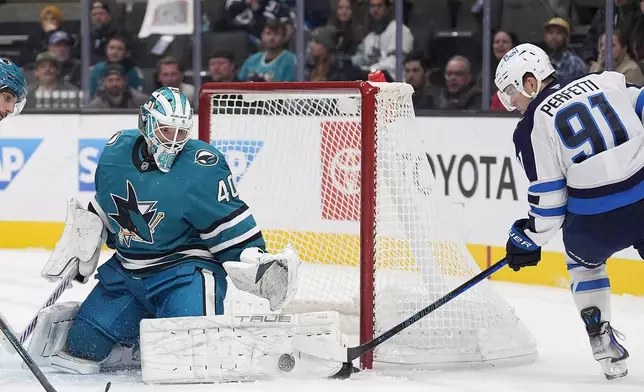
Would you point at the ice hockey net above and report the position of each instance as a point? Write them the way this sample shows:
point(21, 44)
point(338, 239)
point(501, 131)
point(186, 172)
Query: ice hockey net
point(336, 169)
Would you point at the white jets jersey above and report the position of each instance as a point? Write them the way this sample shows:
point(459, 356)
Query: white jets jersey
point(581, 145)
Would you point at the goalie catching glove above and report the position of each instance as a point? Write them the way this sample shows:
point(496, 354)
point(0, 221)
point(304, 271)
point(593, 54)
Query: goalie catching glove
point(79, 247)
point(269, 276)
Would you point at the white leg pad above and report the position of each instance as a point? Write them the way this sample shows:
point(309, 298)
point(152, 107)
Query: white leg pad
point(51, 330)
point(242, 347)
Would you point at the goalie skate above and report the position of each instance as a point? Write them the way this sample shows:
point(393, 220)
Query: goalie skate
point(606, 349)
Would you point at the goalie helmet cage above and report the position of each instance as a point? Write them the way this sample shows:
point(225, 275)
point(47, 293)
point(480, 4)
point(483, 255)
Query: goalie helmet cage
point(336, 169)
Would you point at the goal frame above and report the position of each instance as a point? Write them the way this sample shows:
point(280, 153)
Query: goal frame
point(367, 251)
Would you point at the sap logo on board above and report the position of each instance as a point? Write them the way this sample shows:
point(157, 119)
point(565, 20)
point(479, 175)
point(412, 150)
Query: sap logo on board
point(239, 154)
point(14, 154)
point(89, 152)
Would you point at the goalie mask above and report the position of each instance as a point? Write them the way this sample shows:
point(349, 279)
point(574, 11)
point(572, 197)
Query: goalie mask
point(520, 60)
point(166, 121)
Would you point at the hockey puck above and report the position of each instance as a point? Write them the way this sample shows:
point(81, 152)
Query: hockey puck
point(286, 363)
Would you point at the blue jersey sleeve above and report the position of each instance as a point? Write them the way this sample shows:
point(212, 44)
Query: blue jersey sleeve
point(224, 222)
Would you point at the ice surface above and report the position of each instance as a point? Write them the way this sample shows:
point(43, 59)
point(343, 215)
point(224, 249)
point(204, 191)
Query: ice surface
point(565, 363)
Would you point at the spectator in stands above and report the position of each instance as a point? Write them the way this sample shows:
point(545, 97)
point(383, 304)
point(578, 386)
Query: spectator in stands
point(350, 30)
point(47, 91)
point(625, 16)
point(60, 45)
point(556, 36)
point(118, 51)
point(169, 74)
point(622, 60)
point(221, 67)
point(323, 64)
point(637, 36)
point(459, 93)
point(251, 15)
point(378, 49)
point(50, 21)
point(115, 92)
point(502, 42)
point(103, 29)
point(274, 63)
point(417, 72)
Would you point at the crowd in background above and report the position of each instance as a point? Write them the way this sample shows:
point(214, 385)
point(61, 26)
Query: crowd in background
point(345, 40)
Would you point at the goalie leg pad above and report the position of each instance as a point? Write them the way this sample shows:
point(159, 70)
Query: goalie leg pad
point(51, 331)
point(242, 347)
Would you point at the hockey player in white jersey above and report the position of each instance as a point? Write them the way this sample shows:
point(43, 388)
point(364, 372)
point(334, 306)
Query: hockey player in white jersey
point(581, 144)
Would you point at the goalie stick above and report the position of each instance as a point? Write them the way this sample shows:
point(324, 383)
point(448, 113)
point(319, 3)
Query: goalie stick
point(63, 284)
point(6, 330)
point(348, 355)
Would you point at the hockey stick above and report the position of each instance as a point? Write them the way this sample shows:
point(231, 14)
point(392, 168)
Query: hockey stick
point(63, 284)
point(6, 330)
point(348, 355)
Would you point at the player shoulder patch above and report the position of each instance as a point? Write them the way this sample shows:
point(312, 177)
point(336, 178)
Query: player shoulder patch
point(204, 157)
point(114, 138)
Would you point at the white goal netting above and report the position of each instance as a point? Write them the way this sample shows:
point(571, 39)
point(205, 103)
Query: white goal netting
point(296, 157)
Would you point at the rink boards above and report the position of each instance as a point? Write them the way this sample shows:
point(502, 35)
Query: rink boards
point(45, 159)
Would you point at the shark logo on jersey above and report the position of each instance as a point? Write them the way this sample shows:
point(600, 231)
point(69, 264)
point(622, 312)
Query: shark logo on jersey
point(206, 158)
point(137, 219)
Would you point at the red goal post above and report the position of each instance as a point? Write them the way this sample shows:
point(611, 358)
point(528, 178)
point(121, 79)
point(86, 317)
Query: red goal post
point(367, 172)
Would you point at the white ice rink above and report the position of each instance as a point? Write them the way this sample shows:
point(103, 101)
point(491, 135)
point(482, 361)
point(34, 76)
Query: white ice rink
point(565, 362)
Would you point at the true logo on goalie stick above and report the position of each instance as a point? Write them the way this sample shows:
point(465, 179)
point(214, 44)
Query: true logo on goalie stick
point(136, 219)
point(206, 158)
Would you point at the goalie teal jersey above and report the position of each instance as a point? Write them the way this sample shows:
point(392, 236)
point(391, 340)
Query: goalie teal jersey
point(192, 214)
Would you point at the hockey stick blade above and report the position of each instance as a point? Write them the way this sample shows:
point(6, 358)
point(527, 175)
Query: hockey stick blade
point(349, 354)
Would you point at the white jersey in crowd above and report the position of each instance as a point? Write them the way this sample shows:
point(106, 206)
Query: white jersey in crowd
point(581, 144)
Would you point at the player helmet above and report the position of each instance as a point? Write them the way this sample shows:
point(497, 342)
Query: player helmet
point(520, 60)
point(12, 79)
point(165, 121)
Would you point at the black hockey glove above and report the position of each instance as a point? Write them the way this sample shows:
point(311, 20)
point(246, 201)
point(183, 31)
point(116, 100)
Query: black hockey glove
point(521, 251)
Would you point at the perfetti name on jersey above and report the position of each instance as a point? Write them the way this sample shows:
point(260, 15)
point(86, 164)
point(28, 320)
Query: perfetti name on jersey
point(564, 95)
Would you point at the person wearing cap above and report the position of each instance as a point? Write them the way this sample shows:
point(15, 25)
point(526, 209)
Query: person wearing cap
point(115, 93)
point(222, 67)
point(556, 35)
point(51, 20)
point(103, 29)
point(60, 45)
point(323, 64)
point(46, 93)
